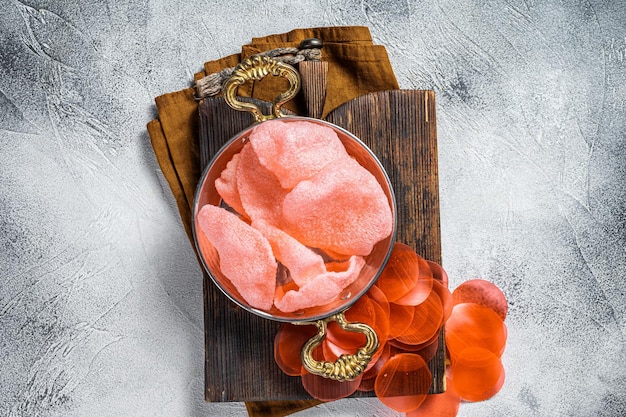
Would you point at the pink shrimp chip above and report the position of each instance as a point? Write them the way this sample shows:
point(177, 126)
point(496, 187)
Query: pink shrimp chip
point(226, 185)
point(295, 151)
point(260, 192)
point(320, 290)
point(342, 209)
point(308, 201)
point(246, 257)
point(303, 264)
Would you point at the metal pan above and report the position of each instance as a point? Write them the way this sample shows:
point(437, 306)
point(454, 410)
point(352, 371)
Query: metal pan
point(346, 367)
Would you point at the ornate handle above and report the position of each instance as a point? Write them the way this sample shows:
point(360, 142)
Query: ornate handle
point(346, 367)
point(257, 68)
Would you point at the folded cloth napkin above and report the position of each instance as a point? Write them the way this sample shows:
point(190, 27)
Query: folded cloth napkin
point(356, 67)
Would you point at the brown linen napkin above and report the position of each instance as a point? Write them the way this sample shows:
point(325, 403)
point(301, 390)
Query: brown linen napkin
point(356, 67)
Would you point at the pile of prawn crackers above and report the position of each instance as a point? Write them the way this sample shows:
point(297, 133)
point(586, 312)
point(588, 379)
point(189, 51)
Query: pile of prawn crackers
point(299, 219)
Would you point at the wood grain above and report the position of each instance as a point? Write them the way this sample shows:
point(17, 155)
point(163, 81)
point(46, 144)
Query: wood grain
point(314, 76)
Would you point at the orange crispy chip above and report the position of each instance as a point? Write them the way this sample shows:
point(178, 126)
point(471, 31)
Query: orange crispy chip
point(401, 273)
point(423, 286)
point(416, 348)
point(481, 292)
point(403, 382)
point(376, 295)
point(446, 298)
point(429, 349)
point(367, 384)
point(439, 405)
point(381, 326)
point(427, 320)
point(400, 318)
point(288, 343)
point(477, 374)
point(472, 325)
point(332, 351)
point(438, 273)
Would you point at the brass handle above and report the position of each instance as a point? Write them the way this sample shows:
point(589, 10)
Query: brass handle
point(256, 68)
point(346, 367)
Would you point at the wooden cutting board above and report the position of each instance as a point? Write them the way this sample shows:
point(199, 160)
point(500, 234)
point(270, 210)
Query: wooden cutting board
point(399, 126)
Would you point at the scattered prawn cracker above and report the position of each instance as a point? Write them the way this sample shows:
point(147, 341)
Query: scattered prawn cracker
point(481, 292)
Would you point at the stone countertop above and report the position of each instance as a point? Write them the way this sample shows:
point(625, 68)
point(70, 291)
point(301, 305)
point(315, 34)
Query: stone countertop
point(101, 294)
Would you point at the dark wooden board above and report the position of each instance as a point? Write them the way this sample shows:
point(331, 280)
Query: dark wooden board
point(400, 128)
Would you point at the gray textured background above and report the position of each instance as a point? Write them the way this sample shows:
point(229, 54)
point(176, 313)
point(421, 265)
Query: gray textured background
point(100, 293)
